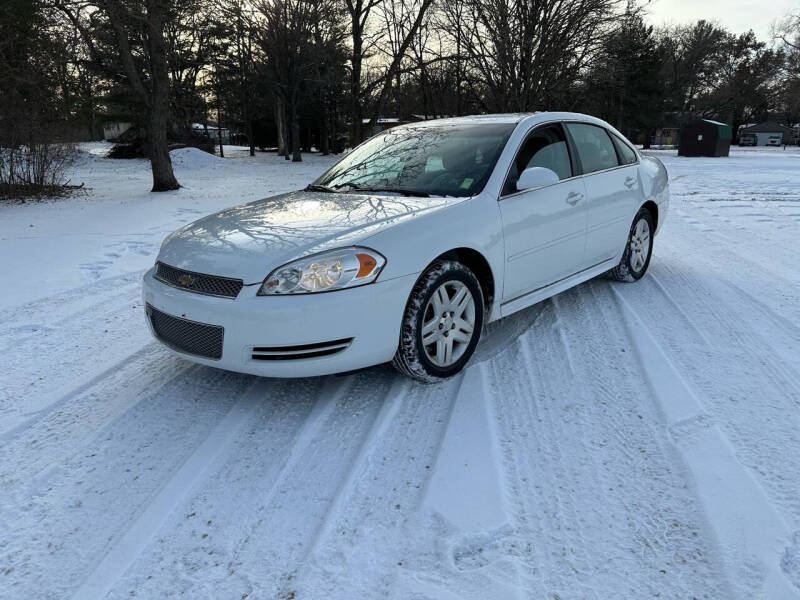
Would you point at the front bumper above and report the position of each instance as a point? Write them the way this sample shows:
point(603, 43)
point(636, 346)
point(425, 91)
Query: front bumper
point(371, 315)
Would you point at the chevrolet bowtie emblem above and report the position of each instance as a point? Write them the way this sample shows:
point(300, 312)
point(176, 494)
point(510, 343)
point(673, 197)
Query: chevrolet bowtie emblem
point(185, 280)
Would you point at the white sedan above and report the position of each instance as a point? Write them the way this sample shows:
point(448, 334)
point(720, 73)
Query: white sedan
point(405, 248)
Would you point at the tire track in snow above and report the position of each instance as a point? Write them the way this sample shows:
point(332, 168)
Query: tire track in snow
point(121, 556)
point(35, 451)
point(262, 547)
point(86, 503)
point(195, 550)
point(377, 512)
point(599, 509)
point(747, 381)
point(749, 252)
point(56, 401)
point(105, 329)
point(676, 307)
point(737, 507)
point(734, 327)
point(66, 304)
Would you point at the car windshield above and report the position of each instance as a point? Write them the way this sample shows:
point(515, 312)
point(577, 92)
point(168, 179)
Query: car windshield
point(431, 160)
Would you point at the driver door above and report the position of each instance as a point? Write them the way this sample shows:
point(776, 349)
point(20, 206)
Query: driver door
point(544, 229)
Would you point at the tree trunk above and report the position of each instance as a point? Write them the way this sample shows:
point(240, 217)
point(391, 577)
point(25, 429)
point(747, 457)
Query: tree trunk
point(279, 114)
point(355, 84)
point(219, 126)
point(296, 154)
point(647, 136)
point(324, 141)
point(158, 117)
point(160, 163)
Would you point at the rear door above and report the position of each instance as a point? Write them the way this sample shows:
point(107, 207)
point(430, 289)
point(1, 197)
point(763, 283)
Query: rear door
point(544, 229)
point(613, 189)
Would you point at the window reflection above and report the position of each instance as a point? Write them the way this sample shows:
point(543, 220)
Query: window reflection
point(441, 160)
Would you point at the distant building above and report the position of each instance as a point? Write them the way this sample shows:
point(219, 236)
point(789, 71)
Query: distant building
point(382, 124)
point(704, 137)
point(768, 133)
point(113, 129)
point(212, 132)
point(666, 136)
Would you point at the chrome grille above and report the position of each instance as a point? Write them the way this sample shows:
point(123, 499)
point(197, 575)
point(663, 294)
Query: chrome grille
point(199, 283)
point(183, 335)
point(300, 352)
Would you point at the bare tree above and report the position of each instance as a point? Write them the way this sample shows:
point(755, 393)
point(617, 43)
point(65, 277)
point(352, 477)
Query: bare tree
point(287, 41)
point(522, 54)
point(787, 30)
point(402, 20)
point(144, 23)
point(138, 27)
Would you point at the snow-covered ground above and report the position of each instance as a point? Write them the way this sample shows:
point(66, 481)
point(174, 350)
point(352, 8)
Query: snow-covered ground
point(618, 441)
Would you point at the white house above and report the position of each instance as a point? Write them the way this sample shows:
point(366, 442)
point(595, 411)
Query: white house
point(114, 129)
point(769, 133)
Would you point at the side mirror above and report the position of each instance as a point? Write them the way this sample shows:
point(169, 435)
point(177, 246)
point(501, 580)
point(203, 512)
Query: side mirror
point(536, 177)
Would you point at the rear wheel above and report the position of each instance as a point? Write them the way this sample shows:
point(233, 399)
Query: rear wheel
point(441, 324)
point(638, 250)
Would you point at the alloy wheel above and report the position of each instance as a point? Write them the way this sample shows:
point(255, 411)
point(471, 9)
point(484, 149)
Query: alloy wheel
point(640, 245)
point(448, 323)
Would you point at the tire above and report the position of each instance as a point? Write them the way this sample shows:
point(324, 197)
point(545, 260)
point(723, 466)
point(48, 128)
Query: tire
point(631, 267)
point(413, 356)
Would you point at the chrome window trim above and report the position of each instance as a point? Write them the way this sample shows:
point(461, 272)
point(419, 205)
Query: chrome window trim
point(501, 197)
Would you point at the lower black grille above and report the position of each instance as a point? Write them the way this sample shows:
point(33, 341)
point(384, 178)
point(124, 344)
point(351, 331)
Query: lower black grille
point(300, 352)
point(187, 336)
point(211, 285)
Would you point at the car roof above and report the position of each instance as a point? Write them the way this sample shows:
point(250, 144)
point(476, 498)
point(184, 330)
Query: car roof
point(510, 118)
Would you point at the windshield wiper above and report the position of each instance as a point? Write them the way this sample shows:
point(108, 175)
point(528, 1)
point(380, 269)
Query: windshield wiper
point(316, 187)
point(402, 191)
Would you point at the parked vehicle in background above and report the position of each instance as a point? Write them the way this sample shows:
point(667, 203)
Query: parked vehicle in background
point(748, 139)
point(407, 246)
point(775, 140)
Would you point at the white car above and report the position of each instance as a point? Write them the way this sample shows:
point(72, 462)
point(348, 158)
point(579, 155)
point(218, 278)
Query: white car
point(405, 248)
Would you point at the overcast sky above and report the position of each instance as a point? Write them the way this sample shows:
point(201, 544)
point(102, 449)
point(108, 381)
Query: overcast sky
point(736, 15)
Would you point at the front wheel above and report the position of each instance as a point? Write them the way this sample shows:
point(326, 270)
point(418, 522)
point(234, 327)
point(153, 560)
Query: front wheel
point(441, 324)
point(636, 257)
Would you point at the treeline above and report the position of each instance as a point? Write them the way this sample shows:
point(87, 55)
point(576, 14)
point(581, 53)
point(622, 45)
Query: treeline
point(298, 74)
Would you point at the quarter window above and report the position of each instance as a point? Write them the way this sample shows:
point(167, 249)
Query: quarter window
point(626, 154)
point(545, 147)
point(595, 148)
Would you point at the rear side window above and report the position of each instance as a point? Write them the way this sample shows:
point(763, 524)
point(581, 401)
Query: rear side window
point(545, 147)
point(595, 148)
point(626, 154)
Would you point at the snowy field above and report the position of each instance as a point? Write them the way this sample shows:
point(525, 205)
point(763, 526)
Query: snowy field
point(620, 441)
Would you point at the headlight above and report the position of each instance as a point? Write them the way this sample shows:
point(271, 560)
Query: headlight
point(324, 272)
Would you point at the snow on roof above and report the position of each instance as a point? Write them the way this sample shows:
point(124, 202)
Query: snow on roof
point(766, 127)
point(716, 123)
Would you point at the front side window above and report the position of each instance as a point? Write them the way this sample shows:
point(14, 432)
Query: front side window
point(436, 160)
point(626, 154)
point(595, 147)
point(545, 147)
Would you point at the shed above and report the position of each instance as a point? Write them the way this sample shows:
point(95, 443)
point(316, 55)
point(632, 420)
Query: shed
point(705, 138)
point(769, 133)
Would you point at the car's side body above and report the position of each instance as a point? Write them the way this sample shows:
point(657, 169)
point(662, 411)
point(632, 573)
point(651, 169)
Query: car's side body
point(477, 223)
point(531, 244)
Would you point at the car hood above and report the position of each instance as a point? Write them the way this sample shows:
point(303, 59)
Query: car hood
point(248, 241)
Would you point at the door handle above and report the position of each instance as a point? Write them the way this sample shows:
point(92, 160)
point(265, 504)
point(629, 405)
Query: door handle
point(630, 182)
point(574, 198)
